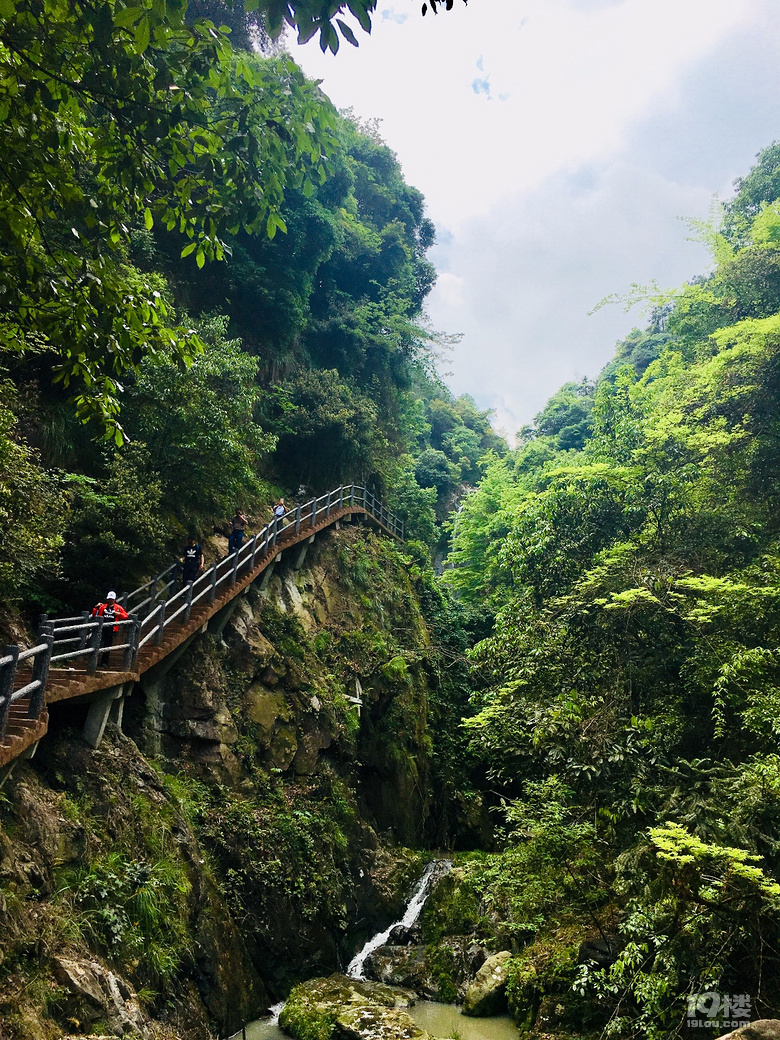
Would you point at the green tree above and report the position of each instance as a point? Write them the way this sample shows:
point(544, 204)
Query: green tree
point(32, 511)
point(198, 424)
point(121, 116)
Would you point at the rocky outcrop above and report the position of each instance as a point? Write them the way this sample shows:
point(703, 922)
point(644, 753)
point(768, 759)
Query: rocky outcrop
point(93, 993)
point(487, 993)
point(253, 838)
point(761, 1029)
point(340, 1008)
point(438, 972)
point(75, 843)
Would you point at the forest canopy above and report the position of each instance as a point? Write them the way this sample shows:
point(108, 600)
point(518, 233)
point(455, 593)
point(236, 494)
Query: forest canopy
point(626, 554)
point(213, 291)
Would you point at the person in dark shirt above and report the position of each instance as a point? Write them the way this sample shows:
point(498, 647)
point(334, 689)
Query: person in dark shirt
point(237, 526)
point(110, 611)
point(192, 560)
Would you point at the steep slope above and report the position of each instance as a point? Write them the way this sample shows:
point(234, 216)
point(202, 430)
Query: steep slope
point(242, 832)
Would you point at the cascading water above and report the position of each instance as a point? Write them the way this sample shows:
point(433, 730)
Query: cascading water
point(268, 1028)
point(276, 1010)
point(412, 912)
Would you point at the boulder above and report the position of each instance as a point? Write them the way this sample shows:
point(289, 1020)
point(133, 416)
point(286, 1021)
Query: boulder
point(761, 1029)
point(487, 993)
point(340, 1008)
point(402, 966)
point(435, 972)
point(95, 993)
point(366, 1022)
point(399, 936)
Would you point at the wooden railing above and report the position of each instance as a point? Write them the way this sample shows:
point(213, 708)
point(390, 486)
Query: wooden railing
point(158, 604)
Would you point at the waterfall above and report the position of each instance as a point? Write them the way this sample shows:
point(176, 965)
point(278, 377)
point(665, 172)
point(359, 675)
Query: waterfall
point(276, 1010)
point(412, 912)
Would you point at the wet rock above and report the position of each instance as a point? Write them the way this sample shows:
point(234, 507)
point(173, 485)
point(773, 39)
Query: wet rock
point(487, 993)
point(401, 966)
point(435, 972)
point(403, 936)
point(761, 1029)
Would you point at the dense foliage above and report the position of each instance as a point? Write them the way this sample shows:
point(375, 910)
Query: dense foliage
point(214, 274)
point(628, 552)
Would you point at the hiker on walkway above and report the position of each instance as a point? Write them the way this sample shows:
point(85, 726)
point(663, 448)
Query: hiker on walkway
point(110, 611)
point(237, 526)
point(279, 509)
point(192, 560)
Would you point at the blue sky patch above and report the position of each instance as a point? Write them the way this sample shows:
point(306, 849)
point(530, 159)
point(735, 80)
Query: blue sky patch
point(389, 15)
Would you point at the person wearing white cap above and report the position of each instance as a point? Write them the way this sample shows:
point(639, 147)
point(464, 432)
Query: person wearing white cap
point(110, 611)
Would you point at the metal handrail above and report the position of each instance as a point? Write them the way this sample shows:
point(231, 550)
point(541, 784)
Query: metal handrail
point(152, 608)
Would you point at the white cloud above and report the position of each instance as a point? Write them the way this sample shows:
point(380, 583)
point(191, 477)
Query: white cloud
point(519, 281)
point(617, 117)
point(574, 77)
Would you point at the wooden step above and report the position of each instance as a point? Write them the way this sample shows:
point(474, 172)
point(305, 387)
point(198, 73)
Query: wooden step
point(15, 743)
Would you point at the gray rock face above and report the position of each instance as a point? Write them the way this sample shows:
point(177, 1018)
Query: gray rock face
point(487, 993)
point(413, 967)
point(761, 1029)
point(96, 993)
point(402, 966)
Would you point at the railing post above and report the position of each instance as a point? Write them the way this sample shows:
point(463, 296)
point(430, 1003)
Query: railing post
point(7, 675)
point(188, 598)
point(297, 519)
point(313, 512)
point(275, 532)
point(132, 652)
point(234, 573)
point(161, 622)
point(85, 615)
point(352, 494)
point(213, 589)
point(40, 672)
point(327, 508)
point(97, 639)
point(341, 497)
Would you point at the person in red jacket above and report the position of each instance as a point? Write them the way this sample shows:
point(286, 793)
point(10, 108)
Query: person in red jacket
point(110, 611)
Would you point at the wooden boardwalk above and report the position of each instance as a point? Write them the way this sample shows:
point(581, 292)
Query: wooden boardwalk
point(25, 715)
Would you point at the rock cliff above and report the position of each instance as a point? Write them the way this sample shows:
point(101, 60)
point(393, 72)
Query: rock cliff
point(245, 830)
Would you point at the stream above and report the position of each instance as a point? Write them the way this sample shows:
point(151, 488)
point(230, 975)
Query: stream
point(440, 1020)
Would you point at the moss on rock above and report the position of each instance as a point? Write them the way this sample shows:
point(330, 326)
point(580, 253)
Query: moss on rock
point(340, 1008)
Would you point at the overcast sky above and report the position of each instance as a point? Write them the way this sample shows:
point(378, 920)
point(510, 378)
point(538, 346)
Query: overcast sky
point(560, 145)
